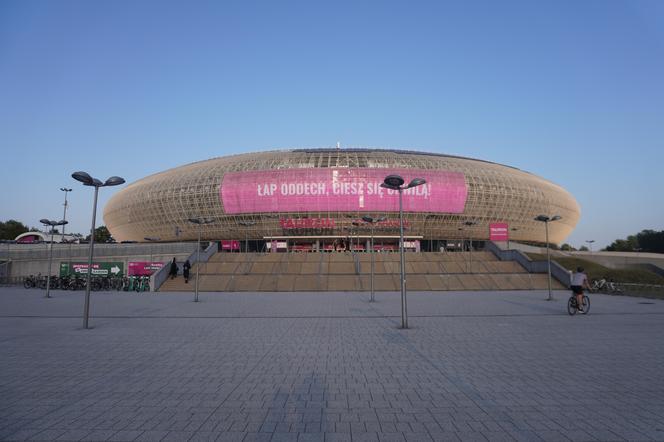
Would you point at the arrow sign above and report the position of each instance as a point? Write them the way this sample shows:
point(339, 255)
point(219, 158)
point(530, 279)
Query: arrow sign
point(115, 270)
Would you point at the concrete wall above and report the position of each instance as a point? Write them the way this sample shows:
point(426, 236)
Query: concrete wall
point(32, 259)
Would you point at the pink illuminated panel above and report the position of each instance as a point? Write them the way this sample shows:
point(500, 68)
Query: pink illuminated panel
point(498, 232)
point(340, 190)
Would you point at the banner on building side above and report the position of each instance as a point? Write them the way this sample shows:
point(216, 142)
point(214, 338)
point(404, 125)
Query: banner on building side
point(340, 190)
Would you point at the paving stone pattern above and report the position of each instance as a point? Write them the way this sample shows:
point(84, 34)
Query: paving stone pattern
point(475, 366)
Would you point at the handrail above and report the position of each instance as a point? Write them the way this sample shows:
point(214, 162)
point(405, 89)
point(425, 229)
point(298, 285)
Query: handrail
point(559, 272)
point(159, 277)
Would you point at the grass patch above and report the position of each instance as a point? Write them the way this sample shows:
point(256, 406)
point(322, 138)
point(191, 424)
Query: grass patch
point(597, 271)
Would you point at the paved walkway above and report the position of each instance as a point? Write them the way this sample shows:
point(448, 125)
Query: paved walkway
point(329, 367)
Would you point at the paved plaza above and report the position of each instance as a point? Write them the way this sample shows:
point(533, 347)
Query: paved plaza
point(329, 367)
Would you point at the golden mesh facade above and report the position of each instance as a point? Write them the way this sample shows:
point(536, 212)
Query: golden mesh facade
point(160, 205)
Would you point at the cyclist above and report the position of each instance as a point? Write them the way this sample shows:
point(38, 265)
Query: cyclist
point(579, 281)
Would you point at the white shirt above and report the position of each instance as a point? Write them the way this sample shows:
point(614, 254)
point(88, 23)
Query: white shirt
point(579, 278)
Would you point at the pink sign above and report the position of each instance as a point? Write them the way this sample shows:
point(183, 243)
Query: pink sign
point(231, 244)
point(340, 190)
point(498, 232)
point(143, 268)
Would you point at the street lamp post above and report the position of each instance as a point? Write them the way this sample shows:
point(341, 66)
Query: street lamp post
point(200, 222)
point(372, 221)
point(395, 182)
point(88, 180)
point(64, 215)
point(48, 222)
point(513, 229)
point(470, 245)
point(151, 240)
point(546, 220)
point(590, 244)
point(246, 224)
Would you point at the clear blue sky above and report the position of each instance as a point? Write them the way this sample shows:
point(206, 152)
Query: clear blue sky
point(571, 91)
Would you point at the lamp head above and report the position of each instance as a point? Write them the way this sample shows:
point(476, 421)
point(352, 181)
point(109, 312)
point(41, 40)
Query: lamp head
point(64, 189)
point(369, 219)
point(83, 177)
point(542, 218)
point(114, 181)
point(45, 221)
point(556, 218)
point(62, 222)
point(393, 181)
point(416, 182)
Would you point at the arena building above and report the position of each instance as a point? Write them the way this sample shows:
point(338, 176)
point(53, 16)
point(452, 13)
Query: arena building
point(315, 199)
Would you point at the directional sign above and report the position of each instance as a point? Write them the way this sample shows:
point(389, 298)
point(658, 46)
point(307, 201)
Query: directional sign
point(98, 268)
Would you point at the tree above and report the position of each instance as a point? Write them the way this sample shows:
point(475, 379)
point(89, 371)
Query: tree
point(645, 241)
point(651, 241)
point(567, 248)
point(11, 229)
point(583, 249)
point(101, 234)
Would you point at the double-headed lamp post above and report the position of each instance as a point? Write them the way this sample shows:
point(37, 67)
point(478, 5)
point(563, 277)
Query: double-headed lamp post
point(246, 224)
point(151, 240)
point(470, 245)
point(372, 221)
point(64, 215)
point(200, 222)
point(48, 222)
point(87, 180)
point(546, 220)
point(590, 244)
point(395, 182)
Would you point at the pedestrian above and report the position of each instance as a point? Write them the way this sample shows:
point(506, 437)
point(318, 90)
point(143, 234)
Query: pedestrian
point(174, 269)
point(185, 270)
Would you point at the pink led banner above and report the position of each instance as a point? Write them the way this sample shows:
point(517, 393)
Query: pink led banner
point(340, 190)
point(498, 232)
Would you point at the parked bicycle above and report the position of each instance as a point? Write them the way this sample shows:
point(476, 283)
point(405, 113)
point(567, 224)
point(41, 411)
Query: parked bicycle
point(31, 281)
point(604, 285)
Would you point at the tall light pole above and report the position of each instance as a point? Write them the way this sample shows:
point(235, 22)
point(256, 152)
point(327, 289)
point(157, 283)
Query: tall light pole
point(590, 244)
point(151, 240)
point(546, 220)
point(513, 229)
point(246, 224)
point(64, 215)
point(200, 222)
point(48, 222)
point(88, 180)
point(372, 221)
point(395, 182)
point(470, 245)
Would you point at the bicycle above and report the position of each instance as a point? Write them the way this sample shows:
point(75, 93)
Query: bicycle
point(573, 305)
point(31, 281)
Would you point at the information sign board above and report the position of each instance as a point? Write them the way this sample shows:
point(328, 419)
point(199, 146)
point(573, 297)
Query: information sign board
point(98, 268)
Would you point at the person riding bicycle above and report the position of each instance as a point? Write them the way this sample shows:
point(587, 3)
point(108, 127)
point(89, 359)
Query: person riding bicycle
point(579, 281)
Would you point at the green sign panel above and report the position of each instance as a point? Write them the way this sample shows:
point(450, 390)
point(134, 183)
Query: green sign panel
point(98, 268)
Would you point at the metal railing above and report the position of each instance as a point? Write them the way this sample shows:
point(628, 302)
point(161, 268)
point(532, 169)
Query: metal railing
point(559, 272)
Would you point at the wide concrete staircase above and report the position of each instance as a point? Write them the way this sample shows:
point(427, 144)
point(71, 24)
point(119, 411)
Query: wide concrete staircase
point(281, 272)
